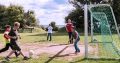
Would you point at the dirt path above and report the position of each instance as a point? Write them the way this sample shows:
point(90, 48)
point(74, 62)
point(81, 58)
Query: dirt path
point(67, 51)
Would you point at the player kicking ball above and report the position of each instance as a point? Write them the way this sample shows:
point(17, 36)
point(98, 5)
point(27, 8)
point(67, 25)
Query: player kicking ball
point(13, 39)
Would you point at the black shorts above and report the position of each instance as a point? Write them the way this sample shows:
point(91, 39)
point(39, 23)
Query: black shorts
point(14, 46)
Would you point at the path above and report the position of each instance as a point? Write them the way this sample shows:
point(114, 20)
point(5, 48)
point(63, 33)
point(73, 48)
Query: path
point(51, 49)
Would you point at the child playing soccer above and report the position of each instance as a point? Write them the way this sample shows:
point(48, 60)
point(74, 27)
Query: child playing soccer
point(69, 28)
point(77, 38)
point(13, 39)
point(7, 40)
point(49, 32)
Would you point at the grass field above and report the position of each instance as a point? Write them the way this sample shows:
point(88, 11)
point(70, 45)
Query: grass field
point(60, 38)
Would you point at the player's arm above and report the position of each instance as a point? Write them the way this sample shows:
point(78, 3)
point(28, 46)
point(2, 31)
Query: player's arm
point(6, 36)
point(12, 37)
point(76, 34)
point(19, 36)
point(66, 28)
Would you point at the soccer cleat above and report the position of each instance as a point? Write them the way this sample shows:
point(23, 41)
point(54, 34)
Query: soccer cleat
point(25, 58)
point(7, 59)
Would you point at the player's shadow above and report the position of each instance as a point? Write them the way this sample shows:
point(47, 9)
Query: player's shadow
point(69, 54)
point(78, 61)
point(39, 34)
point(51, 58)
point(57, 45)
point(53, 34)
point(104, 60)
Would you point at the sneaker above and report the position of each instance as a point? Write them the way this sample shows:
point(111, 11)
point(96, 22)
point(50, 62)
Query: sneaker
point(7, 58)
point(25, 58)
point(18, 54)
point(79, 51)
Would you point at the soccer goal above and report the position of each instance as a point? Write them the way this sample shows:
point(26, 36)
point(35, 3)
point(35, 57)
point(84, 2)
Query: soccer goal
point(104, 37)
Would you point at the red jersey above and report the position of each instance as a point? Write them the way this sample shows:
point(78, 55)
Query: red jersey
point(69, 27)
point(6, 36)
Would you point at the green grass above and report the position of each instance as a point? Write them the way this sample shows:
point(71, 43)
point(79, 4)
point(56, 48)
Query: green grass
point(40, 36)
point(42, 59)
point(45, 58)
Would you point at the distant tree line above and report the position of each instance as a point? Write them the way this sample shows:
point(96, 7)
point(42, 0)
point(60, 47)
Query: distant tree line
point(77, 15)
point(12, 13)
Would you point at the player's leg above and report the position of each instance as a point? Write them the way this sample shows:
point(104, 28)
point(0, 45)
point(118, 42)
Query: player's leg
point(76, 46)
point(5, 48)
point(47, 36)
point(50, 36)
point(17, 48)
point(7, 57)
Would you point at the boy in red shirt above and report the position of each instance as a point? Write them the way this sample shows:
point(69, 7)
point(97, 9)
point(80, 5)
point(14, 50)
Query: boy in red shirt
point(69, 28)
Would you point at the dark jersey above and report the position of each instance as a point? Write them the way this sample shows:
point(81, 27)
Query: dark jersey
point(12, 34)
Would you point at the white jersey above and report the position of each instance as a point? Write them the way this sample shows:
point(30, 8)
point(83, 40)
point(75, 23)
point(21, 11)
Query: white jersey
point(50, 29)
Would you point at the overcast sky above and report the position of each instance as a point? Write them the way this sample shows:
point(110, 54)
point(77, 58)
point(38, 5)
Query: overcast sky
point(45, 10)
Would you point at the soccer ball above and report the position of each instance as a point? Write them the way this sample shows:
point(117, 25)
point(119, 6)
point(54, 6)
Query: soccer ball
point(31, 53)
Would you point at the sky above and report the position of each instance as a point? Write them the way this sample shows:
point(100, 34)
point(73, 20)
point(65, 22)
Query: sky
point(45, 10)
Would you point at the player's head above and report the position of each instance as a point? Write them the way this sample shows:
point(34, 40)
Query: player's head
point(7, 27)
point(49, 24)
point(69, 21)
point(16, 25)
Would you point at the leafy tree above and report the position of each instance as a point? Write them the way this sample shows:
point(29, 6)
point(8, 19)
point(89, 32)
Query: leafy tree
point(13, 13)
point(29, 18)
point(2, 16)
point(53, 24)
point(78, 17)
point(116, 8)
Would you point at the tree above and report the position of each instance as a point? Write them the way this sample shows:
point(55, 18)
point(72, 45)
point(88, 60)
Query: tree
point(77, 15)
point(116, 8)
point(2, 16)
point(30, 19)
point(12, 13)
point(53, 24)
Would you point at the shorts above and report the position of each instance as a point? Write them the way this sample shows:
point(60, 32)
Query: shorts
point(14, 46)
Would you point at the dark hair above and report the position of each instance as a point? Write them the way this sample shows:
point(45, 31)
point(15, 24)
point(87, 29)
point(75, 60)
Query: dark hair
point(16, 24)
point(7, 26)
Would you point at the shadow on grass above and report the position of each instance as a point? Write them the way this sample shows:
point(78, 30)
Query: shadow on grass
point(57, 45)
point(78, 60)
point(41, 41)
point(69, 54)
point(51, 58)
point(97, 60)
point(42, 34)
point(54, 34)
point(17, 60)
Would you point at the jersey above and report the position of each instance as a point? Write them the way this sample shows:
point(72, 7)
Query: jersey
point(6, 37)
point(69, 27)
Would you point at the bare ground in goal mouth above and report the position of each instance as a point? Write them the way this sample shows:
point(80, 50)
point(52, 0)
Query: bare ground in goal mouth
point(58, 50)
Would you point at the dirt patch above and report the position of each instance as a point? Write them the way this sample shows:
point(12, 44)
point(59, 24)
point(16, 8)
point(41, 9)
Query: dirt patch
point(65, 51)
